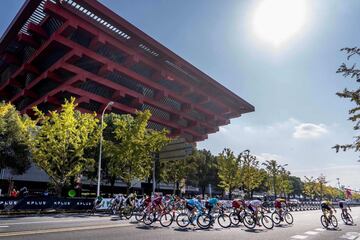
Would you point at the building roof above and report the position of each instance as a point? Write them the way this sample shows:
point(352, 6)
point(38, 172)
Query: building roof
point(56, 49)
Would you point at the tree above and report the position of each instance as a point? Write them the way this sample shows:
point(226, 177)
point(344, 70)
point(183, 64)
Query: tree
point(59, 141)
point(353, 95)
point(205, 171)
point(310, 187)
point(273, 170)
point(131, 151)
point(175, 171)
point(229, 171)
point(284, 183)
point(14, 150)
point(251, 174)
point(297, 184)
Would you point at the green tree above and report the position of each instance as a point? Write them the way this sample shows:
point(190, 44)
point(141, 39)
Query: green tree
point(205, 171)
point(176, 171)
point(298, 185)
point(284, 184)
point(273, 170)
point(130, 153)
point(229, 171)
point(353, 95)
point(310, 188)
point(14, 150)
point(59, 141)
point(251, 174)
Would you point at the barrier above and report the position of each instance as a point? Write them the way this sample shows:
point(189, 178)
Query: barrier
point(42, 203)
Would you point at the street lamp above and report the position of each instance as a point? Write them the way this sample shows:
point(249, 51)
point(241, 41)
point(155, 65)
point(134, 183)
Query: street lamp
point(100, 151)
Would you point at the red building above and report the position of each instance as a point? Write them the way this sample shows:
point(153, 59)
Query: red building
point(56, 49)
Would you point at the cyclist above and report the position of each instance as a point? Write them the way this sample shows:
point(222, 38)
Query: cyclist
point(238, 205)
point(211, 203)
point(279, 204)
point(343, 205)
point(326, 206)
point(157, 202)
point(97, 203)
point(194, 205)
point(254, 206)
point(130, 200)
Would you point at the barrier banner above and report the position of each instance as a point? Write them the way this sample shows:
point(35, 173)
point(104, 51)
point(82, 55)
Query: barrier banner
point(40, 203)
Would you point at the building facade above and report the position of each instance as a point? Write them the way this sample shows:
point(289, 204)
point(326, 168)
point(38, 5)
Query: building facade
point(53, 50)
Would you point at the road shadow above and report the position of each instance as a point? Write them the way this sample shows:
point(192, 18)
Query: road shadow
point(255, 230)
point(283, 226)
point(146, 227)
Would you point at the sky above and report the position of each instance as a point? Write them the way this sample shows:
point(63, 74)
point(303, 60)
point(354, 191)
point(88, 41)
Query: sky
point(291, 83)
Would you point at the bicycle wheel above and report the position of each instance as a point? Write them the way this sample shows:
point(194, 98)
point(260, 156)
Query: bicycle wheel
point(224, 220)
point(166, 219)
point(182, 220)
point(204, 221)
point(276, 218)
point(234, 218)
point(249, 221)
point(149, 218)
point(350, 220)
point(128, 212)
point(267, 222)
point(289, 219)
point(324, 221)
point(139, 216)
point(334, 221)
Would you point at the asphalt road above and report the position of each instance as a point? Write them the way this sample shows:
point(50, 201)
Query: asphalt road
point(74, 226)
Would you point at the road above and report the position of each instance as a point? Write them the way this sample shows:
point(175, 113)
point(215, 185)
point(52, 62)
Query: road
point(74, 226)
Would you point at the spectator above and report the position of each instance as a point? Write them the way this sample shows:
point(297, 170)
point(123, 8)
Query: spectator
point(14, 193)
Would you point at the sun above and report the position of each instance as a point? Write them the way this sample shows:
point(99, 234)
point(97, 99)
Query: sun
point(276, 21)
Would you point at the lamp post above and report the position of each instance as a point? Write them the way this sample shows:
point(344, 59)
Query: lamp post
point(100, 151)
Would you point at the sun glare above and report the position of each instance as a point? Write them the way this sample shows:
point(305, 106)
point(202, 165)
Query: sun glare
point(276, 21)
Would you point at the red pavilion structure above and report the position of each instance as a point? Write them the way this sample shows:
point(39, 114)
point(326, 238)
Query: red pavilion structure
point(56, 49)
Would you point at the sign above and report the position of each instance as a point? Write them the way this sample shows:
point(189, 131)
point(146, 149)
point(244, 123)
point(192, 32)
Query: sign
point(42, 203)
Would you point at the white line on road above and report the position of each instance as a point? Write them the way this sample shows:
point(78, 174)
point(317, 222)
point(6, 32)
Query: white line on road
point(299, 237)
point(319, 229)
point(59, 221)
point(58, 230)
point(311, 233)
point(351, 235)
point(4, 226)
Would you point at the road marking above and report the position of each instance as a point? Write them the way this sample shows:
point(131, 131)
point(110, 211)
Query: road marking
point(351, 235)
point(58, 230)
point(311, 233)
point(299, 236)
point(319, 229)
point(58, 221)
point(4, 226)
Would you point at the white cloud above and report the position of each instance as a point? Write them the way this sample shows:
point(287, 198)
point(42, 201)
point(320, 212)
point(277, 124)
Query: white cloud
point(268, 156)
point(309, 130)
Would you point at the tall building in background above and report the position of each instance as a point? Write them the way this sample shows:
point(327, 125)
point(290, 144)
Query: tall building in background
point(53, 50)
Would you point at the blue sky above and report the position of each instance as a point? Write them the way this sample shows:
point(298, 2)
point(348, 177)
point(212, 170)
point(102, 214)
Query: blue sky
point(298, 117)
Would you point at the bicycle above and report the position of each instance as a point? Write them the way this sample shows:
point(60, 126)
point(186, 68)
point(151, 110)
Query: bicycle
point(185, 218)
point(237, 217)
point(206, 220)
point(285, 216)
point(347, 218)
point(325, 221)
point(250, 220)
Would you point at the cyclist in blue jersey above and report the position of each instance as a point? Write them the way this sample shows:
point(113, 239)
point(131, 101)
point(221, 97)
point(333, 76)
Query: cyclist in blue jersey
point(212, 203)
point(194, 205)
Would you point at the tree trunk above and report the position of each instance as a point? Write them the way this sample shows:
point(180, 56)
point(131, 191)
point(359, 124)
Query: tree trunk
point(203, 191)
point(128, 184)
point(230, 193)
point(59, 189)
point(112, 184)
